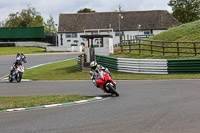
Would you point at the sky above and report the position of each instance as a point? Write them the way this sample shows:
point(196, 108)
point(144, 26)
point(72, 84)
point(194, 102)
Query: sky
point(55, 7)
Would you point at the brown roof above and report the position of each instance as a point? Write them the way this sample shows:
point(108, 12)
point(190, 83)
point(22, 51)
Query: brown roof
point(156, 19)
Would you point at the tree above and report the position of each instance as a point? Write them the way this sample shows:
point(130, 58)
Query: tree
point(26, 18)
point(50, 25)
point(86, 10)
point(185, 10)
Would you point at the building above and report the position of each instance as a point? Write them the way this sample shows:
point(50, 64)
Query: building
point(131, 24)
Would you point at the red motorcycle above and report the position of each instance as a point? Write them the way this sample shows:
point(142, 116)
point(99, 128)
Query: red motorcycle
point(106, 83)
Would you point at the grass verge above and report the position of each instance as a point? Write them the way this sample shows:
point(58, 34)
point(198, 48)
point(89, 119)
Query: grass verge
point(67, 70)
point(25, 50)
point(10, 102)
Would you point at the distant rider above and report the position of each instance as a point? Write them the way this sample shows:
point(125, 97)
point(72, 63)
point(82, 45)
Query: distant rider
point(19, 59)
point(95, 71)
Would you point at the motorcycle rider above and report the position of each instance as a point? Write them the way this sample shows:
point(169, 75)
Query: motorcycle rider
point(18, 62)
point(95, 71)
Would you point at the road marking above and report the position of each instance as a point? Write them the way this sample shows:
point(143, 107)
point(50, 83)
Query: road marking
point(56, 105)
point(48, 63)
point(5, 78)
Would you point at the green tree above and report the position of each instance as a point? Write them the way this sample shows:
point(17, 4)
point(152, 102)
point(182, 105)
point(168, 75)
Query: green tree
point(86, 10)
point(26, 18)
point(50, 25)
point(185, 10)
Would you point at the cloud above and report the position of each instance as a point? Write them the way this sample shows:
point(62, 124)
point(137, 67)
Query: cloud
point(47, 7)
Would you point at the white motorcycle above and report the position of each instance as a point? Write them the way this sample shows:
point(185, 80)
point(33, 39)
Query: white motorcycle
point(17, 73)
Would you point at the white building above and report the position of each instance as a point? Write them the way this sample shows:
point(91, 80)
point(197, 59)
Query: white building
point(130, 23)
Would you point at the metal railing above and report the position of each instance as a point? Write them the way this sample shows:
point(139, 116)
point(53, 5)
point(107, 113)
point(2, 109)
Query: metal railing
point(80, 62)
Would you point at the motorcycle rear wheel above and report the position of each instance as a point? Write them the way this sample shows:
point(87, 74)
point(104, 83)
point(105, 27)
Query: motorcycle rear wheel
point(10, 78)
point(112, 90)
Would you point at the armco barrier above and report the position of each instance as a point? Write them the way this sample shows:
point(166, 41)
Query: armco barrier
point(108, 62)
point(145, 66)
point(80, 62)
point(150, 66)
point(183, 66)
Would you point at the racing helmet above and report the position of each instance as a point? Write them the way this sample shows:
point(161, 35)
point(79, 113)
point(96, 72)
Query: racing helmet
point(18, 59)
point(93, 65)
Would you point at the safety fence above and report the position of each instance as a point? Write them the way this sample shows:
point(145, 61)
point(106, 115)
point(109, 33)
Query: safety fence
point(150, 66)
point(164, 47)
point(80, 62)
point(183, 66)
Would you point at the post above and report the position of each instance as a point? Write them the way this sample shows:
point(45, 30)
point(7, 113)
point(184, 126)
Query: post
point(129, 43)
point(178, 48)
point(195, 50)
point(139, 47)
point(92, 54)
point(163, 45)
point(121, 44)
point(151, 48)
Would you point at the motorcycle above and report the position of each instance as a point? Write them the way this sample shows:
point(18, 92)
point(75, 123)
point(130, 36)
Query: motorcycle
point(106, 83)
point(17, 73)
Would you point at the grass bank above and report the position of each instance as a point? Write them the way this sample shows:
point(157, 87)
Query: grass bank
point(10, 102)
point(25, 50)
point(67, 70)
point(184, 33)
point(188, 32)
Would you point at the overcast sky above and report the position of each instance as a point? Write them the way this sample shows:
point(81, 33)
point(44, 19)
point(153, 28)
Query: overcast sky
point(55, 7)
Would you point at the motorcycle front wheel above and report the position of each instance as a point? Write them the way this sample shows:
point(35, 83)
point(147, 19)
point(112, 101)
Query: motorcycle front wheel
point(19, 77)
point(112, 90)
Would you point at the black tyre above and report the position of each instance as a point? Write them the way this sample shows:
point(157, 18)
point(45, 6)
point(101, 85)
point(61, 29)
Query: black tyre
point(10, 78)
point(112, 90)
point(19, 77)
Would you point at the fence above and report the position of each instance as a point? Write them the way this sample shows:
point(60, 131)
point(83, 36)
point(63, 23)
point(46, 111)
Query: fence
point(80, 62)
point(160, 46)
point(150, 66)
point(183, 66)
point(145, 66)
point(108, 62)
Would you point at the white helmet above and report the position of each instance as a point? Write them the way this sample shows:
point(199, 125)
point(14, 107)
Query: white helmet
point(93, 65)
point(18, 59)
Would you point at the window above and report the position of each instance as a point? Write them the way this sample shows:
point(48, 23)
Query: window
point(147, 32)
point(71, 35)
point(68, 35)
point(74, 35)
point(117, 33)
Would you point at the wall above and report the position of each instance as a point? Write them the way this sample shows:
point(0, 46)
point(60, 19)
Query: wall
point(64, 49)
point(32, 44)
point(128, 35)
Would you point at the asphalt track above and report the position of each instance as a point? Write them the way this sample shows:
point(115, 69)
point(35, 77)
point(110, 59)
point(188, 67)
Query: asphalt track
point(144, 106)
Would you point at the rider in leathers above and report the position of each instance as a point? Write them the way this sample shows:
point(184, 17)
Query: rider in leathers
point(95, 71)
point(19, 59)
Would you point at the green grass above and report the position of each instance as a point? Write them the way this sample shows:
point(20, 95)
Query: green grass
point(67, 71)
point(25, 50)
point(10, 102)
point(147, 55)
point(189, 32)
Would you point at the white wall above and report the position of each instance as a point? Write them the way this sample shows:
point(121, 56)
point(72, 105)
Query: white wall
point(128, 35)
point(32, 44)
point(64, 49)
